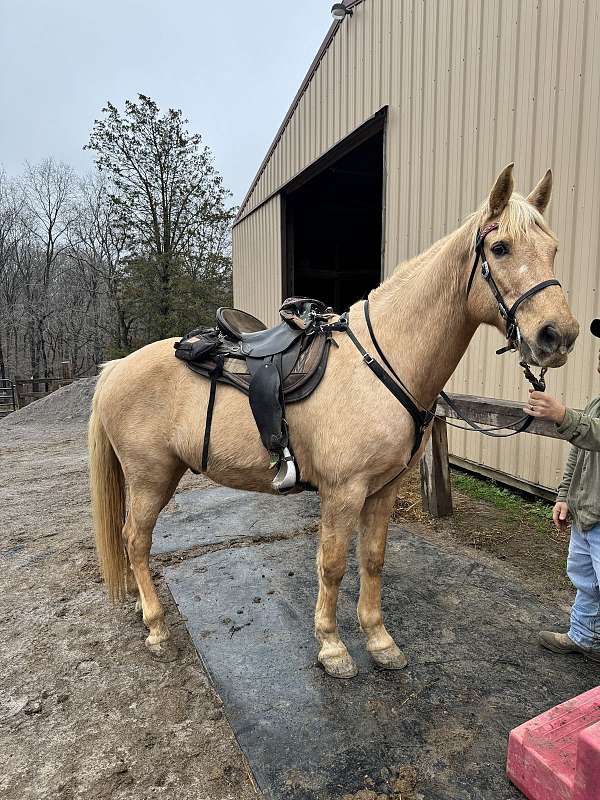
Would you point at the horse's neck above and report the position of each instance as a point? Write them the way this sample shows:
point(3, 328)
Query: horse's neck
point(420, 319)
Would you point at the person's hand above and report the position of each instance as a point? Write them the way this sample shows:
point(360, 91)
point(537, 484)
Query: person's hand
point(544, 406)
point(560, 512)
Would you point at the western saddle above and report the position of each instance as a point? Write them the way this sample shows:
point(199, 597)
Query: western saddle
point(273, 366)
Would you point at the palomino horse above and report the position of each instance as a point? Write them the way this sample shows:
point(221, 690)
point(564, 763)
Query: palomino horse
point(351, 437)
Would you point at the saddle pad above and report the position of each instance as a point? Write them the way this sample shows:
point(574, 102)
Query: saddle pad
point(303, 379)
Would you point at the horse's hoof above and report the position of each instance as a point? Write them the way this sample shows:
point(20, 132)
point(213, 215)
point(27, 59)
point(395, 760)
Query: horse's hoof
point(339, 666)
point(390, 658)
point(164, 650)
point(138, 606)
point(157, 638)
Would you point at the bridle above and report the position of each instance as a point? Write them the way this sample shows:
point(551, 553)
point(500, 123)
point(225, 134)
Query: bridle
point(513, 333)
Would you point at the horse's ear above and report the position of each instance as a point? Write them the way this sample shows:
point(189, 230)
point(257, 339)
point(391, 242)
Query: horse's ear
point(501, 192)
point(540, 197)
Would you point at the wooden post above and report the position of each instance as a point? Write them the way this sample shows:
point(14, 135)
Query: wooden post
point(66, 370)
point(436, 491)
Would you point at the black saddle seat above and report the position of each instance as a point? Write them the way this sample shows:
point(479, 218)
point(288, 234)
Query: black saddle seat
point(257, 341)
point(234, 323)
point(270, 342)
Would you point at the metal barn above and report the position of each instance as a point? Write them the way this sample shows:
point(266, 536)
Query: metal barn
point(408, 111)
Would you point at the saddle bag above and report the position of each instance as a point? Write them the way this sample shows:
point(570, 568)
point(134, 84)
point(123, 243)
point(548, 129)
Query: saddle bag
point(197, 345)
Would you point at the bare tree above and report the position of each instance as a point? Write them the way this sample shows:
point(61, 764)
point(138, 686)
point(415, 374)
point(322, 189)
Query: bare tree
point(92, 268)
point(48, 192)
point(97, 247)
point(9, 291)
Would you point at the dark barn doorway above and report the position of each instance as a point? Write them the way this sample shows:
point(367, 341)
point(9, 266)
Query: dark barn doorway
point(333, 222)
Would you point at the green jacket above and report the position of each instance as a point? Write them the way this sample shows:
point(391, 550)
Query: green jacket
point(580, 486)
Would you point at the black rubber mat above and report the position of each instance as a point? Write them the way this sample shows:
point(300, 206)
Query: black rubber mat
point(474, 670)
point(218, 514)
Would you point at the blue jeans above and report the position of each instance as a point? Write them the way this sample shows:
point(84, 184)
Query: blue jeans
point(583, 569)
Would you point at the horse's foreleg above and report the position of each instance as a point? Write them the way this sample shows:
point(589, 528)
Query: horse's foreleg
point(339, 516)
point(146, 500)
point(374, 521)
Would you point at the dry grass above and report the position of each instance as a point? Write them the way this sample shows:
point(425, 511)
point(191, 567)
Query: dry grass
point(493, 519)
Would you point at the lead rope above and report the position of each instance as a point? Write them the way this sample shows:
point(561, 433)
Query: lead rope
point(539, 385)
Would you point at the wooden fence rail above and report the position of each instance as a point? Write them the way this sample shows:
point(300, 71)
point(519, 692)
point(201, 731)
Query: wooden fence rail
point(436, 491)
point(27, 390)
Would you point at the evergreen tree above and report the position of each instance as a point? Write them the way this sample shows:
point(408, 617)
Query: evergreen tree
point(171, 207)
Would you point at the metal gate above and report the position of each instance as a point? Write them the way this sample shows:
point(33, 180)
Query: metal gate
point(8, 397)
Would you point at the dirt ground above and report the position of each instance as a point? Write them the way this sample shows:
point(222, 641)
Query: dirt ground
point(497, 522)
point(86, 711)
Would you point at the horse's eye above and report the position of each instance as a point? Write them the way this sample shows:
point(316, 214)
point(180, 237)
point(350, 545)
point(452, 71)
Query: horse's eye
point(500, 249)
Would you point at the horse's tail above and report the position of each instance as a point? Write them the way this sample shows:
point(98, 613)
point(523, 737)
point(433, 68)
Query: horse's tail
point(107, 484)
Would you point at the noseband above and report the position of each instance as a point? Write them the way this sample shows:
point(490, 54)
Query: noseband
point(513, 334)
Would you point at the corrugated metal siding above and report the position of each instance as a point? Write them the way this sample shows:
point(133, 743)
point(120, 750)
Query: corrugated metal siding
point(540, 109)
point(470, 86)
point(257, 275)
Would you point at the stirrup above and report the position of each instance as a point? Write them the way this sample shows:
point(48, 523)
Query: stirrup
point(286, 474)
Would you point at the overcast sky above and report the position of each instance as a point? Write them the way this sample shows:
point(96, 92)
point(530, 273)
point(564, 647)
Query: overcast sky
point(232, 66)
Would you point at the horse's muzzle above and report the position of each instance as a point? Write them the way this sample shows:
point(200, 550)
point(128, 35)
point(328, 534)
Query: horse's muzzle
point(552, 343)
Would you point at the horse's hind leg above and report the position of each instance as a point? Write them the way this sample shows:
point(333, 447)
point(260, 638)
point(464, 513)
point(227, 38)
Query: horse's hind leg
point(147, 498)
point(339, 515)
point(374, 521)
point(132, 587)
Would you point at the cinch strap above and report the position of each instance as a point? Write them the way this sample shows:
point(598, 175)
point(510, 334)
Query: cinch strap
point(209, 409)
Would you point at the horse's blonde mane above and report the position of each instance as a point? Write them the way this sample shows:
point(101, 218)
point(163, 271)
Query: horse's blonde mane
point(518, 219)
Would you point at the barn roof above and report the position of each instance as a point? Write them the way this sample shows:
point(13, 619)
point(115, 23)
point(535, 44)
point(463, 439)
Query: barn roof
point(311, 71)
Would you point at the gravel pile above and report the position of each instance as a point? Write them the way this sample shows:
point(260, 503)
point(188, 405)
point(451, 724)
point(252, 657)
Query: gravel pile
point(70, 404)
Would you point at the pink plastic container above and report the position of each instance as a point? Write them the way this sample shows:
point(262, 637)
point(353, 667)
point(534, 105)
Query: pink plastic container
point(556, 756)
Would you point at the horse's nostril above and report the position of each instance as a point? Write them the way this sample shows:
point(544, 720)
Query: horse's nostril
point(569, 339)
point(549, 338)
